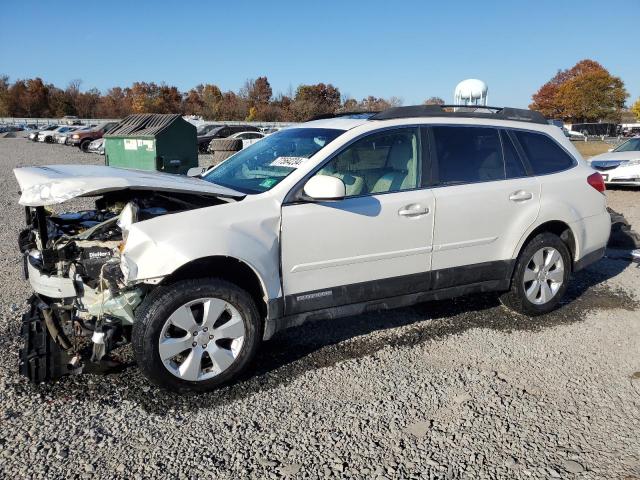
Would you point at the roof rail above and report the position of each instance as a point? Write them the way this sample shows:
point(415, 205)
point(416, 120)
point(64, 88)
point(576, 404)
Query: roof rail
point(363, 115)
point(463, 111)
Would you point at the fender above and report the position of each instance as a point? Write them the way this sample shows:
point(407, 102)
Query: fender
point(248, 233)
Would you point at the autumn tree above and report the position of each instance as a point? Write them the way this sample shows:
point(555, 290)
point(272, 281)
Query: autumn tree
point(433, 101)
point(585, 92)
point(192, 103)
point(635, 108)
point(4, 92)
point(312, 100)
point(16, 99)
point(211, 100)
point(116, 103)
point(87, 103)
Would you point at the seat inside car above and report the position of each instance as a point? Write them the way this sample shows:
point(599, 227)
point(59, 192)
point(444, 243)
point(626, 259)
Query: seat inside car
point(400, 168)
point(339, 168)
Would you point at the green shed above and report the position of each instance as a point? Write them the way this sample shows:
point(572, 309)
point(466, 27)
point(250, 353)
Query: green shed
point(152, 141)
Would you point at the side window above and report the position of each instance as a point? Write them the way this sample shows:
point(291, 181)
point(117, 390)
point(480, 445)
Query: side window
point(513, 167)
point(379, 163)
point(544, 154)
point(468, 154)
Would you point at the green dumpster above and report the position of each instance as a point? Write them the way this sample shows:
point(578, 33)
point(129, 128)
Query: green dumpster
point(152, 141)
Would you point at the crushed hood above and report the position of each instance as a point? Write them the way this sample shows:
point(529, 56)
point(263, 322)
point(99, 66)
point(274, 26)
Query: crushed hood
point(53, 184)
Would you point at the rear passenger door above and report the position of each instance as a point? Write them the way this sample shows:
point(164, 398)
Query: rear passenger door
point(485, 200)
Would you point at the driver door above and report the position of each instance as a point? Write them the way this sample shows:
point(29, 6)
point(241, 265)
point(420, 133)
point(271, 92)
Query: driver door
point(376, 242)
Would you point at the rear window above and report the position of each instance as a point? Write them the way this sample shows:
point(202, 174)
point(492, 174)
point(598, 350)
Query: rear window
point(544, 154)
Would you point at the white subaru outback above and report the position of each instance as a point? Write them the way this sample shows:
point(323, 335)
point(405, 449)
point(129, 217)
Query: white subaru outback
point(326, 219)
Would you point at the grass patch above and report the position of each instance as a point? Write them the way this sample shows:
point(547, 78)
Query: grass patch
point(591, 148)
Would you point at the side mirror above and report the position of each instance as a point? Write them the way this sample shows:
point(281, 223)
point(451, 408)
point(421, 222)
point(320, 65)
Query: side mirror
point(196, 171)
point(324, 187)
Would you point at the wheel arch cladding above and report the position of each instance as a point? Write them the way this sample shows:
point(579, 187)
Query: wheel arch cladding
point(227, 268)
point(557, 227)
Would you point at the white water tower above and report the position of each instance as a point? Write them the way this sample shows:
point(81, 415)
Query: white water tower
point(471, 92)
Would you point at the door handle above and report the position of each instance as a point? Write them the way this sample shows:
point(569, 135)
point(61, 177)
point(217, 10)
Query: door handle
point(520, 196)
point(413, 211)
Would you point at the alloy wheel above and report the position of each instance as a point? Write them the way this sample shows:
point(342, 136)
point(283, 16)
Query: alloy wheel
point(543, 275)
point(201, 339)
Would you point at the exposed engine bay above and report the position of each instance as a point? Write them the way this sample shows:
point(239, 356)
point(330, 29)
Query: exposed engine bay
point(82, 308)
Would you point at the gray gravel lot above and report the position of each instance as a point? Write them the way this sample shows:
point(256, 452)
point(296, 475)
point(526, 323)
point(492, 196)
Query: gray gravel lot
point(452, 389)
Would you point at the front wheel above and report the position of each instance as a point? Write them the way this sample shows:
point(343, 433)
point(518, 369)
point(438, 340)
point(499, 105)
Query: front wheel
point(84, 145)
point(196, 334)
point(541, 276)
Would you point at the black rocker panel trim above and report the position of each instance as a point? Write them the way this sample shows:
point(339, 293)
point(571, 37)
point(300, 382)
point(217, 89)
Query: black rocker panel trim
point(392, 287)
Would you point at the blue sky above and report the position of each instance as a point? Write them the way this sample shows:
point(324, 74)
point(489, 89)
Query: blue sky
point(410, 49)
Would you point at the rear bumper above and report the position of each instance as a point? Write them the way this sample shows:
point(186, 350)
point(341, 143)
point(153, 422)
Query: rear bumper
point(592, 235)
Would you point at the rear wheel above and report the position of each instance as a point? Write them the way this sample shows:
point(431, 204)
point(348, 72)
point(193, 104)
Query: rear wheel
point(541, 276)
point(196, 334)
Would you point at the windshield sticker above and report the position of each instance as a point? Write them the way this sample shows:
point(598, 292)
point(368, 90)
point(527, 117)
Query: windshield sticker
point(268, 182)
point(290, 162)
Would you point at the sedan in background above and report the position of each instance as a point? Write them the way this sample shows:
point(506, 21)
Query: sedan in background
point(63, 136)
point(248, 138)
point(621, 165)
point(96, 146)
point(33, 136)
point(48, 136)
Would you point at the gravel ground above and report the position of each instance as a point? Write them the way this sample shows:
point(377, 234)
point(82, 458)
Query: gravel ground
point(453, 389)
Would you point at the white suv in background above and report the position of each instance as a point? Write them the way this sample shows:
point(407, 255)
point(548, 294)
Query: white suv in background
point(322, 220)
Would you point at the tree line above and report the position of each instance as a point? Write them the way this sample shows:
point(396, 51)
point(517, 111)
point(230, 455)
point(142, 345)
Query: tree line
point(586, 92)
point(255, 101)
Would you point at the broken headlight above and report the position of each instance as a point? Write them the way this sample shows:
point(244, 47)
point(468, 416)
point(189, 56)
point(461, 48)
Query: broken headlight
point(129, 268)
point(128, 216)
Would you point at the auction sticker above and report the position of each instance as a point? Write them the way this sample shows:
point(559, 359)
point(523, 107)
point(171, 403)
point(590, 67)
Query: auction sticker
point(290, 162)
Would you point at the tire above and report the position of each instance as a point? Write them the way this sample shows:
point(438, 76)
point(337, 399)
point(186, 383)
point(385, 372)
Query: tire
point(164, 309)
point(84, 145)
point(225, 144)
point(48, 139)
point(517, 298)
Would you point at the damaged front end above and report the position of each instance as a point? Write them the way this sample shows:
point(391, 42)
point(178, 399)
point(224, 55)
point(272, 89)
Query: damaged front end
point(83, 308)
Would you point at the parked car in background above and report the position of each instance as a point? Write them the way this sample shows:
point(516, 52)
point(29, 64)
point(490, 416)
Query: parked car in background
point(84, 137)
point(573, 135)
point(48, 136)
point(11, 128)
point(621, 165)
point(33, 136)
point(222, 131)
point(248, 138)
point(61, 137)
point(96, 146)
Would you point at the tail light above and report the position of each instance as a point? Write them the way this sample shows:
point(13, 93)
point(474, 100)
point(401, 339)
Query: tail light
point(597, 182)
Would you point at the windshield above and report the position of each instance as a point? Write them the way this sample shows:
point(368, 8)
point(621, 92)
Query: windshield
point(204, 129)
point(631, 145)
point(263, 165)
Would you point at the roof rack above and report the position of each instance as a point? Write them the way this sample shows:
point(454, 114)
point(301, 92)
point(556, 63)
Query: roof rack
point(363, 115)
point(464, 111)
